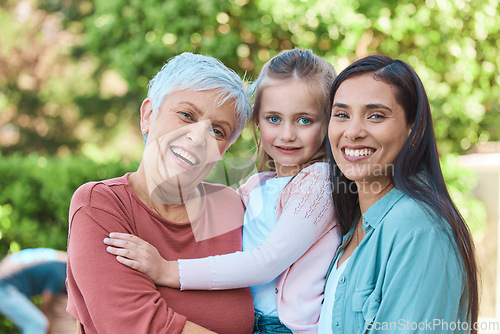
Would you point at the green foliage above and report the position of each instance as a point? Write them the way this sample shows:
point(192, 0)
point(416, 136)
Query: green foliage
point(7, 327)
point(35, 197)
point(107, 50)
point(460, 182)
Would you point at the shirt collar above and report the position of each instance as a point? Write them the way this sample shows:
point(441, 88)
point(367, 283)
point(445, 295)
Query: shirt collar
point(371, 218)
point(376, 213)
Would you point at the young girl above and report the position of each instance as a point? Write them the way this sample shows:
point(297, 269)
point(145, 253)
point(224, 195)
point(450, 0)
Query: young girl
point(289, 236)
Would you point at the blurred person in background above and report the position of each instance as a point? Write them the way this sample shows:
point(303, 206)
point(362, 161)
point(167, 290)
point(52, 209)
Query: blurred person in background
point(32, 272)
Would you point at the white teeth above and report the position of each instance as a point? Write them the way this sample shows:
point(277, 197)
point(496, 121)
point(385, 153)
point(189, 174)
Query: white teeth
point(183, 154)
point(357, 153)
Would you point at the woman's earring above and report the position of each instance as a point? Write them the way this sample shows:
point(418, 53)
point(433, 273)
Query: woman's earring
point(144, 131)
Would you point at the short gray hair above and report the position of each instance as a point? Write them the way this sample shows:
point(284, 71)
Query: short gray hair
point(200, 73)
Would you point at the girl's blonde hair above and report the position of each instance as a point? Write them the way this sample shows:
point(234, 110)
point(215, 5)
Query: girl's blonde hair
point(301, 65)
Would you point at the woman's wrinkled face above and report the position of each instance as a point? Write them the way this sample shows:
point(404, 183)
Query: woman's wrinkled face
point(190, 132)
point(367, 130)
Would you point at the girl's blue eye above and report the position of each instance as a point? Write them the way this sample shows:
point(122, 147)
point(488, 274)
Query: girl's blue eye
point(273, 119)
point(304, 121)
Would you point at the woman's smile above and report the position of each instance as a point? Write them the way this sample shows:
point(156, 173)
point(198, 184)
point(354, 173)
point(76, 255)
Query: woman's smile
point(186, 137)
point(184, 157)
point(367, 129)
point(354, 153)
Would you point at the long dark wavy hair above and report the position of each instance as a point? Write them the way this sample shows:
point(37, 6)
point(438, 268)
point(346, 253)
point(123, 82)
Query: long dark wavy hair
point(416, 172)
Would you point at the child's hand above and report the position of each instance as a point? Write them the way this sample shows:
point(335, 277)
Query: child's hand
point(138, 254)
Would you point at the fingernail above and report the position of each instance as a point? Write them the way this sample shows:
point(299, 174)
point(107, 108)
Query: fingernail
point(106, 240)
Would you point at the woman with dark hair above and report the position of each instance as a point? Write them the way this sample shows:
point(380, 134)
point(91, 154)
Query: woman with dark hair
point(406, 263)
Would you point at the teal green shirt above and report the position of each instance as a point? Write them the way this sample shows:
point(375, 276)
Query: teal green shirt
point(404, 277)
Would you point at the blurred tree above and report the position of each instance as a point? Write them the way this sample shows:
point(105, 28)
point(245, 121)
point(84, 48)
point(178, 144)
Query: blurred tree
point(75, 68)
point(50, 101)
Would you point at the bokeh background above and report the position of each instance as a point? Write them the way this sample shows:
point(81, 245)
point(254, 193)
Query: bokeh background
point(73, 74)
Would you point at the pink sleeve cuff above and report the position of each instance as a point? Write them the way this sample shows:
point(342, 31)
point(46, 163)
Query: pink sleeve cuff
point(194, 274)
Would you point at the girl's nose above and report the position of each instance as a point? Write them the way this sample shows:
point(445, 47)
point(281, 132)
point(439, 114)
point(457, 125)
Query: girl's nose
point(287, 132)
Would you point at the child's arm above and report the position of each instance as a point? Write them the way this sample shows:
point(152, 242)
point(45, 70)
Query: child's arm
point(306, 217)
point(140, 255)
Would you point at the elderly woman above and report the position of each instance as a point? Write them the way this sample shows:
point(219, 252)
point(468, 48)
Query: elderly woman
point(195, 109)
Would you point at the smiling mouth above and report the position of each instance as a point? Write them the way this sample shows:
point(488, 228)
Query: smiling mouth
point(288, 148)
point(358, 153)
point(185, 156)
